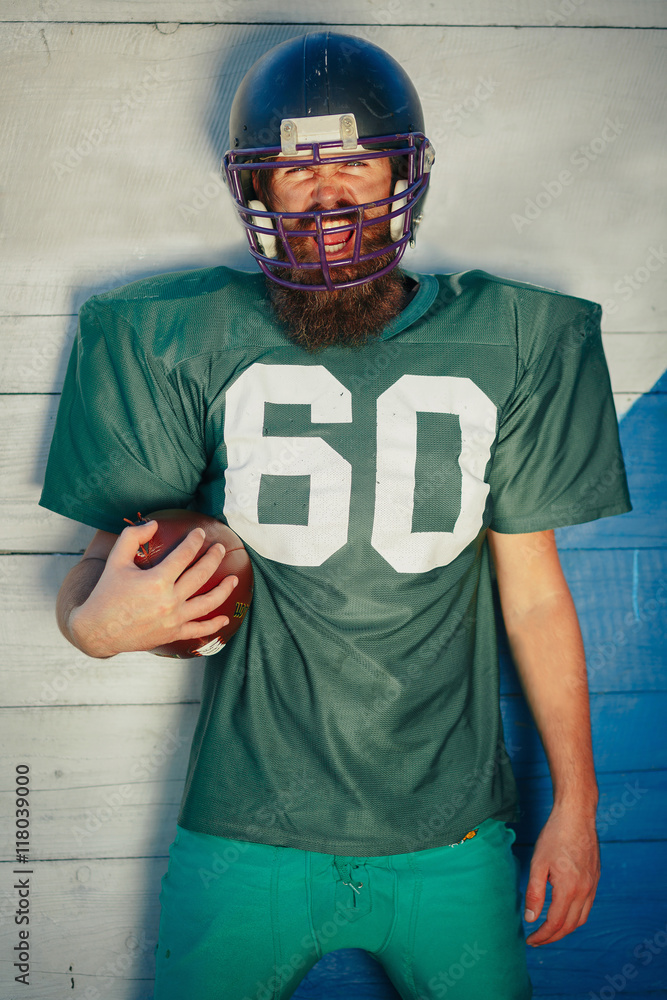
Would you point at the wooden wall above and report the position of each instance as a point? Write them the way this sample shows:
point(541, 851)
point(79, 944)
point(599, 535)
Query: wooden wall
point(114, 125)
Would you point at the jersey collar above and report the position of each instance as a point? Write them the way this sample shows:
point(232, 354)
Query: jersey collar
point(416, 307)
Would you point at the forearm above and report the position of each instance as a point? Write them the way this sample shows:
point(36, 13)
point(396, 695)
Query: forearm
point(76, 588)
point(549, 655)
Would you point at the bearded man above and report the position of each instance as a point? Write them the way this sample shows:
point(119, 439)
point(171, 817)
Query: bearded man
point(382, 441)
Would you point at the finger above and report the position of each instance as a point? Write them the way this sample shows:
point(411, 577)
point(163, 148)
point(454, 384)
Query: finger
point(178, 560)
point(556, 926)
point(203, 604)
point(583, 917)
point(563, 912)
point(194, 577)
point(535, 893)
point(199, 630)
point(129, 540)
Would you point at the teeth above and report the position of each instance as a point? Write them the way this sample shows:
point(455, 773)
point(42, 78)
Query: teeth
point(334, 247)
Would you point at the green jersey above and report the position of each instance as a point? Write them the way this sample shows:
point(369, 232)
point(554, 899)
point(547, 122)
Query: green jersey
point(356, 711)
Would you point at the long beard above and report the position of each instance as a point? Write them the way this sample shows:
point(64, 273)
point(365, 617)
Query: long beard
point(348, 316)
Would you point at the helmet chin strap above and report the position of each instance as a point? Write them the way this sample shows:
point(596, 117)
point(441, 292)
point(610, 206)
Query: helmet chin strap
point(269, 246)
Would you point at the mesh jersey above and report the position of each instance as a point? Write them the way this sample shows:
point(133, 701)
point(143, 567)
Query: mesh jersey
point(357, 709)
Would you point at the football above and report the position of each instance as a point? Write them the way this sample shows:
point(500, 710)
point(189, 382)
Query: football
point(173, 526)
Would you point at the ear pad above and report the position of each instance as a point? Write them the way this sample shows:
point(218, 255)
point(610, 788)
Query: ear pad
point(396, 224)
point(267, 244)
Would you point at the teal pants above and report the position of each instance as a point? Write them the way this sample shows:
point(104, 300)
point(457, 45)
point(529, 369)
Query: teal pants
point(245, 921)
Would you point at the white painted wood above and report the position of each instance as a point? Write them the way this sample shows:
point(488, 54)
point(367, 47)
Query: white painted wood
point(636, 361)
point(28, 421)
point(145, 106)
point(113, 135)
point(40, 668)
point(623, 402)
point(168, 13)
point(105, 781)
point(93, 928)
point(35, 351)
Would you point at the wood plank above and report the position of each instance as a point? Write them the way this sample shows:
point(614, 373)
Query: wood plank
point(30, 419)
point(35, 351)
point(633, 806)
point(117, 958)
point(156, 740)
point(634, 359)
point(48, 671)
point(621, 601)
point(617, 941)
point(625, 652)
point(27, 423)
point(93, 929)
point(620, 724)
point(644, 445)
point(592, 13)
point(107, 782)
point(116, 204)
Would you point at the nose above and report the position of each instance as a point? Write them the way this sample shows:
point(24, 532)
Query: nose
point(328, 188)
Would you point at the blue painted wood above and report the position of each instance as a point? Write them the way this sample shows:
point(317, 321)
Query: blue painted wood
point(630, 908)
point(617, 571)
point(600, 972)
point(628, 716)
point(348, 974)
point(633, 806)
point(621, 600)
point(643, 432)
point(631, 887)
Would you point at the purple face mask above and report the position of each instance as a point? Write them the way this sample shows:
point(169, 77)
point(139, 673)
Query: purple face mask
point(270, 238)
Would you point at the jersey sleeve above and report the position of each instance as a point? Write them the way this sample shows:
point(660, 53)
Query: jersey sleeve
point(120, 444)
point(558, 459)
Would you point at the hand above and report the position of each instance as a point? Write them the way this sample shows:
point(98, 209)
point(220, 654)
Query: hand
point(133, 609)
point(566, 854)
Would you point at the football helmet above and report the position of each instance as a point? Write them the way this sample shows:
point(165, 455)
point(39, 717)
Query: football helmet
point(342, 98)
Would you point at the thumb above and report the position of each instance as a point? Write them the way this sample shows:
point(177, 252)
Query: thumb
point(535, 893)
point(129, 540)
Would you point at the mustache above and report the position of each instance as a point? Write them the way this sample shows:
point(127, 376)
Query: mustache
point(307, 226)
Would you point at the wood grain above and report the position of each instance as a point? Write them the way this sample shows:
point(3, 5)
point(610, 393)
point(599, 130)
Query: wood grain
point(169, 13)
point(114, 125)
point(114, 133)
point(35, 351)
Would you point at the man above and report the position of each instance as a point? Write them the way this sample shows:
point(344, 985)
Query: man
point(378, 439)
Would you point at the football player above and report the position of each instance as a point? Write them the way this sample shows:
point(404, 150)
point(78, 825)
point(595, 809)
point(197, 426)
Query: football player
point(383, 442)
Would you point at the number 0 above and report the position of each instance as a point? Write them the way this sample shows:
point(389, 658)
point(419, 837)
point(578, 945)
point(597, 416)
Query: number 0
point(250, 455)
point(419, 551)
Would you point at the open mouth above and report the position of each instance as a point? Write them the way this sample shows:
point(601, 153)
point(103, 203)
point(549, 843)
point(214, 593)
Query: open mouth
point(334, 248)
point(335, 243)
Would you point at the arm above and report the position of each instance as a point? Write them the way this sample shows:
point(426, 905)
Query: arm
point(107, 605)
point(547, 648)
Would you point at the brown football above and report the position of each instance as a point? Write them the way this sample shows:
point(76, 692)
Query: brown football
point(173, 526)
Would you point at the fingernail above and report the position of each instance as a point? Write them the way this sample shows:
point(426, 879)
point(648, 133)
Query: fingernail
point(235, 584)
point(529, 915)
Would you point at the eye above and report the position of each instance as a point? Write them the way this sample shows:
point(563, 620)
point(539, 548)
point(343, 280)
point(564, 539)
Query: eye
point(356, 163)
